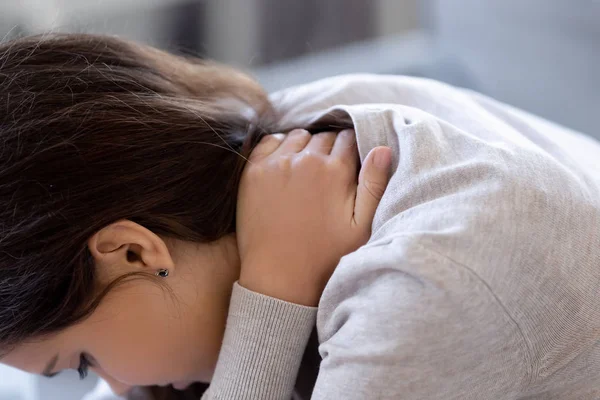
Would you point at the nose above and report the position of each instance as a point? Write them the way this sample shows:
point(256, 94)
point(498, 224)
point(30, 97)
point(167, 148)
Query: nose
point(118, 388)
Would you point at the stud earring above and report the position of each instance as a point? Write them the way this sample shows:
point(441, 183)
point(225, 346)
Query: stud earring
point(163, 273)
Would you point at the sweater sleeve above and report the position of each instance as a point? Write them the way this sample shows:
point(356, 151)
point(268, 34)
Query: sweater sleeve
point(263, 345)
point(400, 320)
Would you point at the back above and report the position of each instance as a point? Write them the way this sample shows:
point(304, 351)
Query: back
point(481, 278)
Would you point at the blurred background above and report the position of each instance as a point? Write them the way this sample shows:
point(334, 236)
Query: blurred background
point(539, 55)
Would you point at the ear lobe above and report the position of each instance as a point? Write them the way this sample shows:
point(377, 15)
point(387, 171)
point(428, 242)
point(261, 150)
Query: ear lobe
point(128, 245)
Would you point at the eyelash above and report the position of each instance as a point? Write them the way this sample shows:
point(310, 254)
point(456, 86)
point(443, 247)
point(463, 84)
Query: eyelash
point(84, 364)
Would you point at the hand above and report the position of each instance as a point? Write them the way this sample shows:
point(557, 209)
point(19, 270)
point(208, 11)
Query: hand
point(301, 208)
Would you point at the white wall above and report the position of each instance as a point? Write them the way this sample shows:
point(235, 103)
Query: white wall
point(397, 16)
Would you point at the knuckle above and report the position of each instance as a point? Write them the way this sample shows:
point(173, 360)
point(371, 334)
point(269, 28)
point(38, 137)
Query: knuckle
point(273, 138)
point(283, 162)
point(325, 135)
point(324, 140)
point(343, 166)
point(308, 158)
point(269, 167)
point(341, 163)
point(255, 156)
point(298, 133)
point(339, 167)
point(265, 146)
point(375, 189)
point(255, 171)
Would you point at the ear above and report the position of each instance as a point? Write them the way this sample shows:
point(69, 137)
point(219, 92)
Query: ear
point(125, 246)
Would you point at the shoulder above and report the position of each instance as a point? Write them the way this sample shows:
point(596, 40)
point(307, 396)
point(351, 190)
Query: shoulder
point(349, 83)
point(396, 306)
point(357, 89)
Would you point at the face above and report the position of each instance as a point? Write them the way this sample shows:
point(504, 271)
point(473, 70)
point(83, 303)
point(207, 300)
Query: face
point(144, 333)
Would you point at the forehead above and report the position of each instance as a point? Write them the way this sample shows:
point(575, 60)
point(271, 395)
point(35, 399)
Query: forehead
point(121, 315)
point(31, 356)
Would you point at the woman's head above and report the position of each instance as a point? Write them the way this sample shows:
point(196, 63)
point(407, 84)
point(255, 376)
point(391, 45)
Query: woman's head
point(117, 160)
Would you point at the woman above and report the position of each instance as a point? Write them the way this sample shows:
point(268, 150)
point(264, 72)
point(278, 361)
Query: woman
point(478, 279)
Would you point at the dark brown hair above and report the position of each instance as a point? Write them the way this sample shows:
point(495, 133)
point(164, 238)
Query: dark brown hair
point(94, 129)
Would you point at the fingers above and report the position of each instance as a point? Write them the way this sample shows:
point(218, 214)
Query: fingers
point(321, 143)
point(342, 145)
point(345, 146)
point(372, 182)
point(294, 142)
point(267, 146)
point(339, 145)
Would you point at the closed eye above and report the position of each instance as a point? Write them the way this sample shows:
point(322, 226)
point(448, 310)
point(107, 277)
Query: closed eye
point(84, 365)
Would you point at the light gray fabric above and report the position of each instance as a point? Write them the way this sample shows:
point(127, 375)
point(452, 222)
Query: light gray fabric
point(481, 279)
point(264, 334)
point(482, 276)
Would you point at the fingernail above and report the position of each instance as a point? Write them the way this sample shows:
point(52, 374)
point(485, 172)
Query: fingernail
point(347, 133)
point(298, 132)
point(382, 159)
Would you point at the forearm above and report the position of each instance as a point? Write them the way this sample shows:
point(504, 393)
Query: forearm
point(263, 345)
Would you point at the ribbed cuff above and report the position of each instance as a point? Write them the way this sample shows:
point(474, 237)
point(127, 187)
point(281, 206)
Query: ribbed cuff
point(262, 349)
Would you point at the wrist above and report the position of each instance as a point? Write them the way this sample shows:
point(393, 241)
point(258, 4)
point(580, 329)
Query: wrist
point(282, 288)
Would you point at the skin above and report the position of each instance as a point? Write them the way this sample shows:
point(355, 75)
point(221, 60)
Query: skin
point(140, 335)
point(145, 334)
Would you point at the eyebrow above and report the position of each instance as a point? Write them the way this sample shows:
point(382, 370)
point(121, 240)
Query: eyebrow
point(51, 364)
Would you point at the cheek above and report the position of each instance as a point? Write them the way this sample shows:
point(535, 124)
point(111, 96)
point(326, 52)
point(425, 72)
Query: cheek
point(140, 360)
point(156, 342)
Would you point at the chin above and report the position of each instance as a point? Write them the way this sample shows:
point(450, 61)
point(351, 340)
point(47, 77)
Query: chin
point(205, 376)
point(194, 391)
point(203, 379)
point(182, 385)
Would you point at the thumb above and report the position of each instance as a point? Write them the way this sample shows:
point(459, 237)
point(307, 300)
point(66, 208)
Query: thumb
point(372, 182)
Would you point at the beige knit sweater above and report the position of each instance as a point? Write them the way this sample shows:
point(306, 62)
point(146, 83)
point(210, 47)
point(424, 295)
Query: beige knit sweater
point(482, 276)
